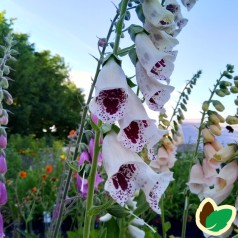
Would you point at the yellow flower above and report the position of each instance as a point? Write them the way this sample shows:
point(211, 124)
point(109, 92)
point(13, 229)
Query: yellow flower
point(63, 157)
point(226, 153)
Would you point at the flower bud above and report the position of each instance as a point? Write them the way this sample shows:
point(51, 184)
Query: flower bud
point(232, 120)
point(207, 135)
point(226, 153)
point(3, 194)
point(3, 138)
point(215, 129)
point(4, 117)
point(3, 164)
point(218, 105)
point(236, 102)
point(220, 93)
point(236, 82)
point(102, 42)
point(105, 218)
point(227, 75)
point(234, 89)
point(225, 91)
point(7, 97)
point(214, 119)
point(220, 117)
point(4, 83)
point(225, 84)
point(216, 145)
point(205, 106)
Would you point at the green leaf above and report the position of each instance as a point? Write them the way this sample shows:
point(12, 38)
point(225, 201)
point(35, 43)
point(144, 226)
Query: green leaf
point(112, 228)
point(140, 13)
point(104, 233)
point(130, 83)
point(117, 211)
point(133, 30)
point(133, 56)
point(167, 226)
point(98, 209)
point(218, 220)
point(106, 128)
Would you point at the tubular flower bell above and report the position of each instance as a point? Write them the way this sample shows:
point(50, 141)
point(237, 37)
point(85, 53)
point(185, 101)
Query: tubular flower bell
point(136, 128)
point(157, 64)
point(127, 173)
point(110, 101)
point(155, 93)
point(157, 15)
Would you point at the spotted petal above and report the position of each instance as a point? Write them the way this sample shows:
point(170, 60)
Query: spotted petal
point(161, 39)
point(110, 99)
point(155, 93)
point(157, 64)
point(157, 15)
point(127, 173)
point(136, 128)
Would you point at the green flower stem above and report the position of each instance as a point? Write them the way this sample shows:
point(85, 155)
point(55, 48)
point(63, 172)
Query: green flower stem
point(162, 217)
point(119, 26)
point(80, 134)
point(122, 228)
point(91, 181)
point(195, 158)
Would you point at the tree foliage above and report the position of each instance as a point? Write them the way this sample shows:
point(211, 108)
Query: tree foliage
point(43, 94)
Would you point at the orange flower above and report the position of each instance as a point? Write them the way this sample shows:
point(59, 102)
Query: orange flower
point(49, 168)
point(71, 134)
point(44, 176)
point(34, 189)
point(23, 174)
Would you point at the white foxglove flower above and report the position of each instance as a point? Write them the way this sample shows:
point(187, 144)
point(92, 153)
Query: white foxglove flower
point(138, 221)
point(188, 3)
point(157, 64)
point(135, 232)
point(155, 93)
point(127, 173)
point(105, 218)
point(136, 128)
point(157, 15)
point(160, 38)
point(111, 96)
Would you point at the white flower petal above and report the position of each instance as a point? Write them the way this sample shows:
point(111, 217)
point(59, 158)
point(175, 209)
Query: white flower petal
point(157, 15)
point(155, 93)
point(111, 97)
point(188, 3)
point(105, 218)
point(136, 128)
point(157, 64)
point(127, 173)
point(161, 39)
point(138, 221)
point(136, 232)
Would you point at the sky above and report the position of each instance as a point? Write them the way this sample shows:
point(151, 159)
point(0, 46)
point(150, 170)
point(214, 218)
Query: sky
point(71, 29)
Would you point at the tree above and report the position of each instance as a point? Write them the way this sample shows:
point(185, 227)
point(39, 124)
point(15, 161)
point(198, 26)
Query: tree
point(43, 94)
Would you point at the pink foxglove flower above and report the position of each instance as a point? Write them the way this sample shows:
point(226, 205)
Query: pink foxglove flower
point(209, 152)
point(165, 160)
point(91, 150)
point(155, 93)
point(209, 172)
point(3, 140)
point(196, 179)
point(226, 153)
point(3, 194)
point(225, 183)
point(82, 184)
point(4, 117)
point(111, 97)
point(157, 15)
point(3, 164)
point(127, 173)
point(136, 128)
point(1, 227)
point(189, 4)
point(161, 39)
point(157, 64)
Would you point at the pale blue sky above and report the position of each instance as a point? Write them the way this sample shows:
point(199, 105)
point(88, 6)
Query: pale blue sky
point(70, 28)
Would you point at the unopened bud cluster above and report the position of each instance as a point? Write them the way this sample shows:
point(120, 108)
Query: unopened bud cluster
point(5, 97)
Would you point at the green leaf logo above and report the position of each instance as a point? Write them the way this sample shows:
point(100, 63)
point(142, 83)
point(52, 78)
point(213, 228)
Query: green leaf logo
point(214, 220)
